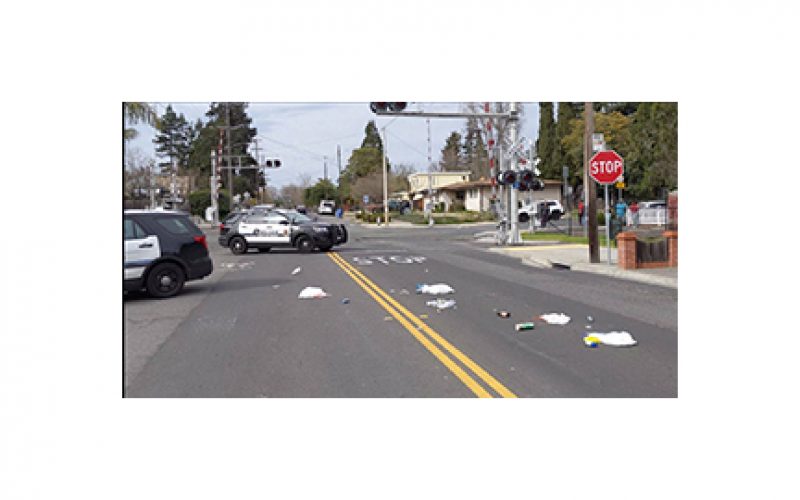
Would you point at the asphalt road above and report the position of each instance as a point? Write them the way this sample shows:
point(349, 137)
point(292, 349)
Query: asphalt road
point(244, 333)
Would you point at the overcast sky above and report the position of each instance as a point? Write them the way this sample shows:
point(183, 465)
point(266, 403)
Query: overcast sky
point(302, 133)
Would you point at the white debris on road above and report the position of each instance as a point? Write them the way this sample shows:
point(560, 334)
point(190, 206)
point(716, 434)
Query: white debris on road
point(437, 289)
point(236, 265)
point(296, 270)
point(616, 339)
point(441, 304)
point(555, 318)
point(312, 292)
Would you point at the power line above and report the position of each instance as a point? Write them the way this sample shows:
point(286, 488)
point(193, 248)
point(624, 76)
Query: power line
point(296, 148)
point(409, 146)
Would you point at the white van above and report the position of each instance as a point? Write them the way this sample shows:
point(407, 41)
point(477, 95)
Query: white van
point(326, 207)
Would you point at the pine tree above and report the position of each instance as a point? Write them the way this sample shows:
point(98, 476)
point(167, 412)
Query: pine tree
point(363, 162)
point(240, 139)
point(451, 154)
point(372, 139)
point(546, 143)
point(172, 140)
point(474, 151)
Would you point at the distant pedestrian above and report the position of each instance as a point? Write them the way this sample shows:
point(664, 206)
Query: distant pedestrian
point(621, 209)
point(544, 211)
point(634, 208)
point(581, 210)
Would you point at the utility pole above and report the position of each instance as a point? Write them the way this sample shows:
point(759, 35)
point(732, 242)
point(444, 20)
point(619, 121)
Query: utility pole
point(385, 183)
point(258, 151)
point(339, 158)
point(172, 179)
point(588, 184)
point(325, 168)
point(214, 193)
point(258, 163)
point(513, 209)
point(430, 169)
point(152, 188)
point(490, 149)
point(230, 153)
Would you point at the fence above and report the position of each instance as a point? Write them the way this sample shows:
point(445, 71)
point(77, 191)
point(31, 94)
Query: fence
point(648, 216)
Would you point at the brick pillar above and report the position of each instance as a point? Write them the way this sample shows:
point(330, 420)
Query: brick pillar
point(672, 247)
point(626, 250)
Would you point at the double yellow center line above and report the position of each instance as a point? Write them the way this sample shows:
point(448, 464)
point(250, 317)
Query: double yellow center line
point(427, 336)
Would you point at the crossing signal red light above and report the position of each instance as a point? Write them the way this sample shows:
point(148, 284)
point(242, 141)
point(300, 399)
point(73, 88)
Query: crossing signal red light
point(526, 177)
point(506, 178)
point(378, 107)
point(384, 107)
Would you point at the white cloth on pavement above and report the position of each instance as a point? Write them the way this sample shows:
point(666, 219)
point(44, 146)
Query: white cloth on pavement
point(616, 339)
point(555, 318)
point(312, 292)
point(437, 289)
point(441, 304)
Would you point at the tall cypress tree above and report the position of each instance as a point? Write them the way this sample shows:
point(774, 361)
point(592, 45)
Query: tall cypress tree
point(567, 111)
point(546, 143)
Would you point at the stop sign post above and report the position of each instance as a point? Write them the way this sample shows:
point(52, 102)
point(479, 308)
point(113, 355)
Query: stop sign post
point(605, 167)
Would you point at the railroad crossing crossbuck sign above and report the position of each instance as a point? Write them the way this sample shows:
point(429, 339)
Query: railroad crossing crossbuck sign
point(606, 167)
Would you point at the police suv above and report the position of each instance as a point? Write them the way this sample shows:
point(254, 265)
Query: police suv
point(163, 250)
point(282, 229)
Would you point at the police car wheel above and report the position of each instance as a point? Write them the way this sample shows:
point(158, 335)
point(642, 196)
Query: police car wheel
point(264, 250)
point(238, 245)
point(165, 280)
point(304, 244)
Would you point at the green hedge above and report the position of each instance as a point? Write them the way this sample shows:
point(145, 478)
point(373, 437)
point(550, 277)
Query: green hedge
point(373, 218)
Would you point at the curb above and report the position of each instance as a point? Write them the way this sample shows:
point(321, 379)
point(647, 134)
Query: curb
point(612, 272)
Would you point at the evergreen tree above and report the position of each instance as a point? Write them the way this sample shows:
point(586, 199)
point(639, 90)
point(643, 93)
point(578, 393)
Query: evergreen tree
point(207, 140)
point(364, 161)
point(546, 143)
point(567, 112)
point(651, 160)
point(172, 140)
point(372, 139)
point(451, 154)
point(476, 158)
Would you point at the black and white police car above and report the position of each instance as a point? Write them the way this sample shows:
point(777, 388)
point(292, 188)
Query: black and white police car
point(282, 228)
point(163, 250)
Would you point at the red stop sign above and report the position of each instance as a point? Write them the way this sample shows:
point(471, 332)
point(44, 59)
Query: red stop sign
point(606, 167)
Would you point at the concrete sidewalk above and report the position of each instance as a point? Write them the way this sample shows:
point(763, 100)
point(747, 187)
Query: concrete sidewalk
point(576, 258)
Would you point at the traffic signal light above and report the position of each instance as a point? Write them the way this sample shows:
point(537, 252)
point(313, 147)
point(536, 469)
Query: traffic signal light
point(384, 107)
point(506, 178)
point(536, 185)
point(272, 163)
point(525, 179)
